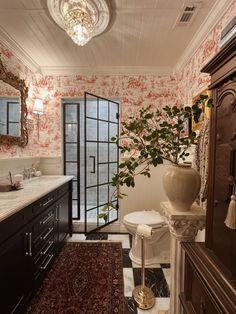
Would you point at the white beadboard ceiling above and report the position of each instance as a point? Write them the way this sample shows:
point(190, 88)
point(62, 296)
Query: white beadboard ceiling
point(141, 37)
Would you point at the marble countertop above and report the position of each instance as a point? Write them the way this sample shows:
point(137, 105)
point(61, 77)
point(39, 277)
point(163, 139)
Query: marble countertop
point(33, 189)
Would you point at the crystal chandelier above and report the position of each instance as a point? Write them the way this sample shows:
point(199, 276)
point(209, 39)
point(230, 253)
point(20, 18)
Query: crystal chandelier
point(81, 19)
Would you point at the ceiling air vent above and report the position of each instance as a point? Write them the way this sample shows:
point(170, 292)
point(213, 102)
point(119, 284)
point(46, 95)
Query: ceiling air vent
point(187, 14)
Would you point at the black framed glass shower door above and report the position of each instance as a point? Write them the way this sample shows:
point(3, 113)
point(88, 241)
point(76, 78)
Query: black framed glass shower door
point(101, 160)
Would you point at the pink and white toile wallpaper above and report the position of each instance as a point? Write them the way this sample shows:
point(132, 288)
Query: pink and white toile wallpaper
point(133, 92)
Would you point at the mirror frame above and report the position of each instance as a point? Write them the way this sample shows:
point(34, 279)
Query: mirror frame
point(19, 84)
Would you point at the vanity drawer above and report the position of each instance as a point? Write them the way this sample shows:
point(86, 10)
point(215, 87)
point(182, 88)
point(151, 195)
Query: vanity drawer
point(44, 202)
point(44, 259)
point(42, 251)
point(43, 236)
point(43, 222)
point(12, 224)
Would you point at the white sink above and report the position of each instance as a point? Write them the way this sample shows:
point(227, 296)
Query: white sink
point(40, 180)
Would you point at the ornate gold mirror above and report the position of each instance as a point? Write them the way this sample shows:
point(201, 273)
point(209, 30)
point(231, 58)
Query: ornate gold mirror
point(13, 110)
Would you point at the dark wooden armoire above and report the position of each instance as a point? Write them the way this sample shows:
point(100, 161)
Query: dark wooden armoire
point(210, 267)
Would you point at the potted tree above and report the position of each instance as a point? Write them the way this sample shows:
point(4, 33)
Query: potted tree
point(155, 136)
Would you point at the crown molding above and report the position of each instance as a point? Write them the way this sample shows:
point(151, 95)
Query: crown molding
point(20, 53)
point(214, 16)
point(106, 70)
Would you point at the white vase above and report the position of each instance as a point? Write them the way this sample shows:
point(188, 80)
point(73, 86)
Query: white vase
point(182, 185)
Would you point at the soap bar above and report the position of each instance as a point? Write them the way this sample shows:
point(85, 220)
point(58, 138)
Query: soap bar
point(38, 173)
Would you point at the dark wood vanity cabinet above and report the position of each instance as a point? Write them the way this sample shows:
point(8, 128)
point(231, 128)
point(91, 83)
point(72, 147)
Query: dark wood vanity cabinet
point(210, 267)
point(14, 275)
point(29, 241)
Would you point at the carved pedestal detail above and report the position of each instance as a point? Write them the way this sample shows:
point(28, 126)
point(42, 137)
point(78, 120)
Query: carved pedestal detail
point(183, 227)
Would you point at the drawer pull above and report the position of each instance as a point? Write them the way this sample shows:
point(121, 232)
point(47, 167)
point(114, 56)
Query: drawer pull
point(47, 234)
point(29, 252)
point(47, 202)
point(48, 261)
point(47, 249)
point(46, 220)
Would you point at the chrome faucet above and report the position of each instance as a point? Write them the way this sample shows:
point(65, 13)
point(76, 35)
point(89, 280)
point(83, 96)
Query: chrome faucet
point(26, 174)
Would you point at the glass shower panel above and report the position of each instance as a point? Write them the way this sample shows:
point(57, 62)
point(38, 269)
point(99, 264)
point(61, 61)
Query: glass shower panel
point(91, 194)
point(91, 167)
point(112, 192)
point(71, 169)
point(98, 148)
point(90, 217)
point(91, 107)
point(71, 113)
point(103, 131)
point(74, 193)
point(113, 152)
point(103, 109)
point(113, 131)
point(103, 174)
point(101, 221)
point(103, 194)
point(71, 152)
point(71, 132)
point(113, 212)
point(91, 130)
point(114, 111)
point(71, 149)
point(103, 152)
point(113, 167)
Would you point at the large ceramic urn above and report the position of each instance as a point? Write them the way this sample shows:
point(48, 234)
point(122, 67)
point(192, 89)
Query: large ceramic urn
point(182, 185)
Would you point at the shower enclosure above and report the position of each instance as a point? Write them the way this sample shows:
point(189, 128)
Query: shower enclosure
point(91, 157)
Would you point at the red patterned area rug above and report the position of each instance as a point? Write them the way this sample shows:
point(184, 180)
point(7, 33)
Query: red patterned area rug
point(86, 278)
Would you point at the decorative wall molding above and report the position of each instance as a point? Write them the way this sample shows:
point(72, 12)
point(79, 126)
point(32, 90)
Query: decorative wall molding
point(106, 70)
point(214, 16)
point(19, 52)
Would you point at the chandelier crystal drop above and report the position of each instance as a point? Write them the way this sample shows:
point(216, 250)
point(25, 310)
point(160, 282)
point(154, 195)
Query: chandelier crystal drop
point(81, 19)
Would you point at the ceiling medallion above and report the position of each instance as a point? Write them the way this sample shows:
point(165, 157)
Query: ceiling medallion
point(81, 19)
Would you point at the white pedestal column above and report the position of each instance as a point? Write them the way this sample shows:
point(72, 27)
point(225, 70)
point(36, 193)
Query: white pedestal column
point(183, 227)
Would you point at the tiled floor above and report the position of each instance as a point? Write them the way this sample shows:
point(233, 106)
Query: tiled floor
point(157, 277)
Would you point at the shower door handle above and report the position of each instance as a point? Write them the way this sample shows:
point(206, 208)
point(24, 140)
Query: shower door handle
point(93, 157)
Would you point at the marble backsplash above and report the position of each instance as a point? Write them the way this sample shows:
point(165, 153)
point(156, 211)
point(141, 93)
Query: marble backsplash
point(47, 165)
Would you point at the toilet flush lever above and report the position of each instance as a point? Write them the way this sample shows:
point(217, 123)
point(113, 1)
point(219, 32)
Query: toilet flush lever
point(93, 157)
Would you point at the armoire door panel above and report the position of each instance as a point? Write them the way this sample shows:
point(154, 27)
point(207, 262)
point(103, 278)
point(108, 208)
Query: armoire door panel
point(223, 238)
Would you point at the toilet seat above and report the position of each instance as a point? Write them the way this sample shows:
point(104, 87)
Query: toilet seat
point(147, 217)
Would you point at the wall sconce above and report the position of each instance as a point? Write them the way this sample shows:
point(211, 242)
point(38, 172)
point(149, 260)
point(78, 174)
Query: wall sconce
point(38, 110)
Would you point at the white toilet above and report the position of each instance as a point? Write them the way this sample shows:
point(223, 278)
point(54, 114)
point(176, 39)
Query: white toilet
point(158, 246)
